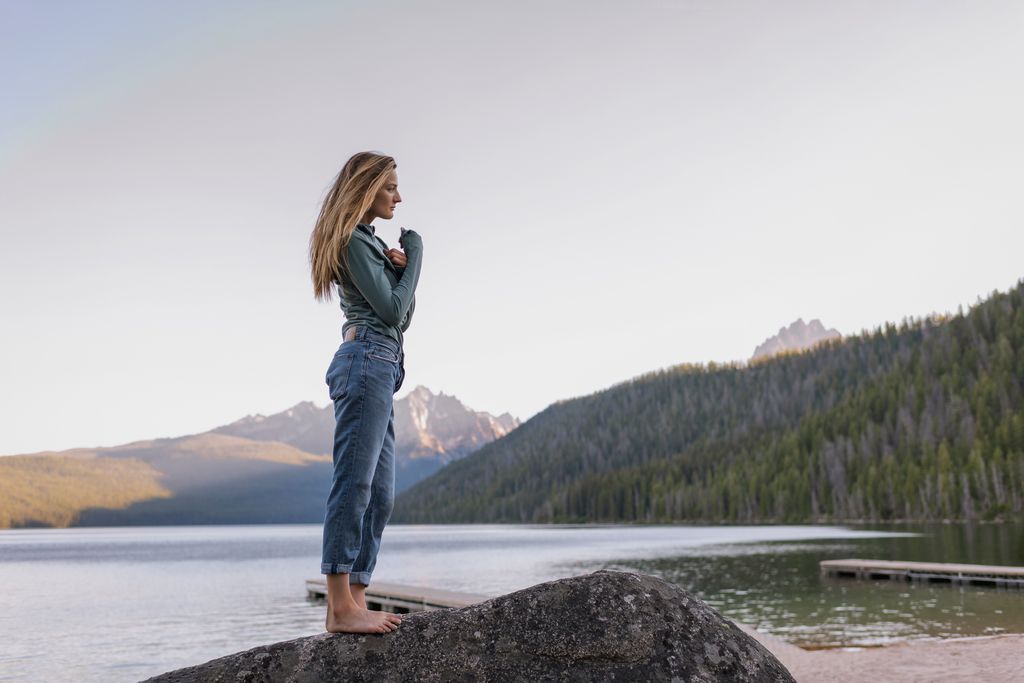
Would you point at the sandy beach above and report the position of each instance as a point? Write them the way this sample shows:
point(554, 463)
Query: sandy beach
point(992, 659)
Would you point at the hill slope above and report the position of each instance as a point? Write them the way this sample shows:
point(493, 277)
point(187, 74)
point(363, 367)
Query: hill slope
point(199, 479)
point(921, 421)
point(52, 491)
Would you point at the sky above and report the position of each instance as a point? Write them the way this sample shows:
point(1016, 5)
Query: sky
point(603, 189)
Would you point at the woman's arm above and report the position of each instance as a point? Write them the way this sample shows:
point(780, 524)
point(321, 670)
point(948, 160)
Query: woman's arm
point(408, 316)
point(367, 271)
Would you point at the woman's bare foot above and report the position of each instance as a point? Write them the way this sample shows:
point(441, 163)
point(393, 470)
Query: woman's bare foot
point(360, 620)
point(359, 594)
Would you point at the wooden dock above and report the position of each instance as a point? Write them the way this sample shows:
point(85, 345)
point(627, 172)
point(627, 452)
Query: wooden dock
point(935, 572)
point(401, 598)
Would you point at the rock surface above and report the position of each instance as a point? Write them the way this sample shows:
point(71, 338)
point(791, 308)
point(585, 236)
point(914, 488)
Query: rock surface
point(608, 625)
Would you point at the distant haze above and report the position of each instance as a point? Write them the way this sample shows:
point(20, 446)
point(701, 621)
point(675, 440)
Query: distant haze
point(603, 188)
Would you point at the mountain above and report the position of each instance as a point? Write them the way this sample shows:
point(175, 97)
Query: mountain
point(197, 479)
point(256, 470)
point(799, 336)
point(431, 430)
point(921, 421)
point(304, 426)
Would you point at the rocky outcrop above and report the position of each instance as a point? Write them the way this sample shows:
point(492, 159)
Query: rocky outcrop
point(440, 427)
point(607, 625)
point(797, 337)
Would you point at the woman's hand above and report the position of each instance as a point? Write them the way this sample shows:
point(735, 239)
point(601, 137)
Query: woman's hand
point(397, 257)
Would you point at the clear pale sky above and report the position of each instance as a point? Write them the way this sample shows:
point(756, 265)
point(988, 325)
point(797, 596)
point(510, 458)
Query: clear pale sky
point(603, 189)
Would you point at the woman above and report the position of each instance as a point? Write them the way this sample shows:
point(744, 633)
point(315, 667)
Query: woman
point(376, 286)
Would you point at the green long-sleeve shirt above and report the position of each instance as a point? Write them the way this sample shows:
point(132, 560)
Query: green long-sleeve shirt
point(384, 297)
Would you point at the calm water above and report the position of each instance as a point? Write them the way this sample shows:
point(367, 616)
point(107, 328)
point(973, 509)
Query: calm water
point(125, 603)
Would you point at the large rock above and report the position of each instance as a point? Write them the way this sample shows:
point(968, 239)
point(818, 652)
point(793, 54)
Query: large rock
point(607, 625)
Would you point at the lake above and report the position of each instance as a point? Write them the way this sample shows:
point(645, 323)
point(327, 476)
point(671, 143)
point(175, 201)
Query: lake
point(126, 603)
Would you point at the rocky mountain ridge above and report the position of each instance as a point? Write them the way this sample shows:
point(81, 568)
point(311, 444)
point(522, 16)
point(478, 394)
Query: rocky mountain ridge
point(798, 336)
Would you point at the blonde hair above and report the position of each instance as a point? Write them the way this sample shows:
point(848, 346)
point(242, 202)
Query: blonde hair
point(346, 203)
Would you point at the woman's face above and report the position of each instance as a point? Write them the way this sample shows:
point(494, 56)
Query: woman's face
point(387, 197)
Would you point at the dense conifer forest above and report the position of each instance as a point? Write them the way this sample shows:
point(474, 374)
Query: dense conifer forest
point(923, 420)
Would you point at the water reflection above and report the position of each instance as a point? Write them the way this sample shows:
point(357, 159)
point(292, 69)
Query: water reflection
point(777, 587)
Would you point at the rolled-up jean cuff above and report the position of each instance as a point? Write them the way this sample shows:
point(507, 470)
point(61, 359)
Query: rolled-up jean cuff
point(353, 577)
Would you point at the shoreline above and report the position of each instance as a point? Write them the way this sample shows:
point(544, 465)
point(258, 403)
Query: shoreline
point(994, 659)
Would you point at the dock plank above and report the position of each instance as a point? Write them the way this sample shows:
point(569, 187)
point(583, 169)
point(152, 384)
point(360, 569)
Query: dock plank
point(925, 571)
point(404, 596)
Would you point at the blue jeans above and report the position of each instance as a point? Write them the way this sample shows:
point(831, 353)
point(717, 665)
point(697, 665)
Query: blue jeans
point(362, 378)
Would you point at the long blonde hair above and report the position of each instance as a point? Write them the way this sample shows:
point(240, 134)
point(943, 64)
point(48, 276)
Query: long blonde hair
point(350, 197)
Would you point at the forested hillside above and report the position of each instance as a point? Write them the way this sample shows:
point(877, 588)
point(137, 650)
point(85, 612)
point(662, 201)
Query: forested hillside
point(53, 490)
point(923, 420)
point(204, 478)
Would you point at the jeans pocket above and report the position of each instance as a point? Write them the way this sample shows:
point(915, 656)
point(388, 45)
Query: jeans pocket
point(401, 377)
point(382, 352)
point(338, 374)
